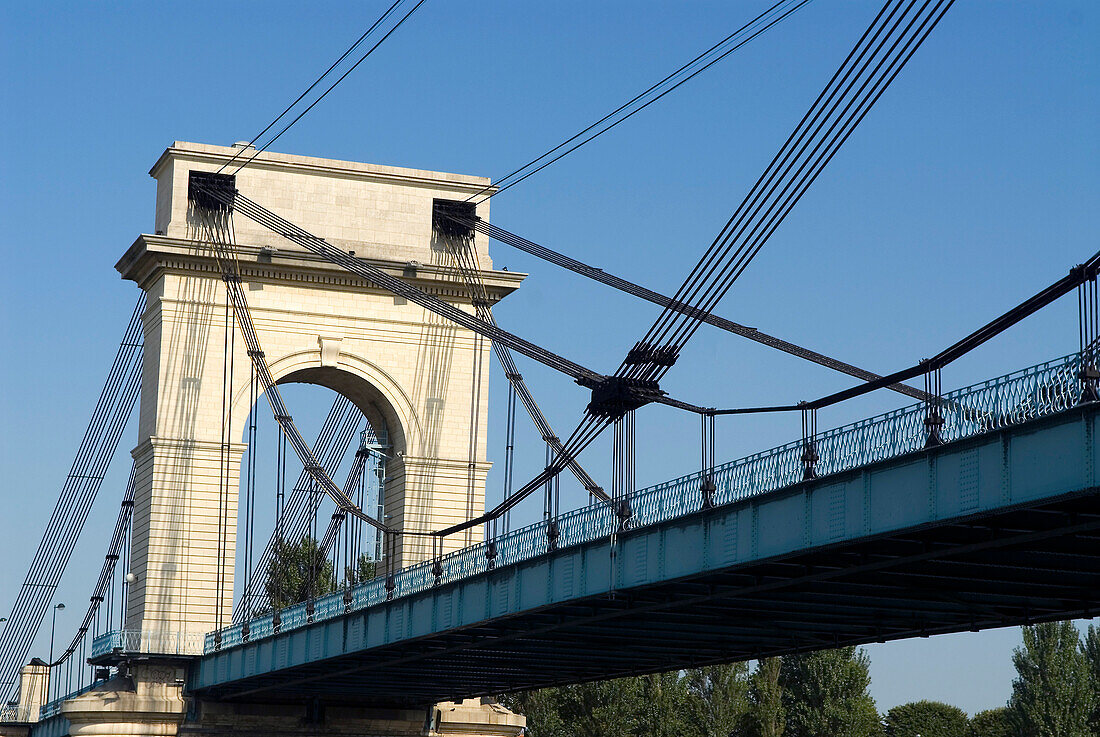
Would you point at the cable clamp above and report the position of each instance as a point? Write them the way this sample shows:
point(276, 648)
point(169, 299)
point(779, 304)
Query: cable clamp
point(645, 354)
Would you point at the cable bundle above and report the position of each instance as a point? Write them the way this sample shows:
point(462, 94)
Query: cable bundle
point(641, 101)
point(101, 438)
point(894, 35)
point(378, 25)
point(107, 572)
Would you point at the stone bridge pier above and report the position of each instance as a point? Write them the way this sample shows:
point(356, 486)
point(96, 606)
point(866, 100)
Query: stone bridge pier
point(150, 700)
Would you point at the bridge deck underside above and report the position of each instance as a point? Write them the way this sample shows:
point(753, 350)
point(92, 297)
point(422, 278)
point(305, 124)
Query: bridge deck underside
point(1029, 563)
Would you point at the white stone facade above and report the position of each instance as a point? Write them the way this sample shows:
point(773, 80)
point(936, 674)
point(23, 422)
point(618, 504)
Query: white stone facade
point(317, 324)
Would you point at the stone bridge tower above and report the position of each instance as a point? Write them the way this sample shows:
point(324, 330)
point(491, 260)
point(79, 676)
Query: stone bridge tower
point(424, 378)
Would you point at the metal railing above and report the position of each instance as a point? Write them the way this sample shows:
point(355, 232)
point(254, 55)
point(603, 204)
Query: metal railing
point(53, 708)
point(1041, 390)
point(149, 642)
point(15, 713)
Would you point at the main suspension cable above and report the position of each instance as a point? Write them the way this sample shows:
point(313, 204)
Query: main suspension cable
point(331, 87)
point(641, 101)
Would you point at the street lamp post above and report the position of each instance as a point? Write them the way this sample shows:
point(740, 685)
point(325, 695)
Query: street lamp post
point(53, 628)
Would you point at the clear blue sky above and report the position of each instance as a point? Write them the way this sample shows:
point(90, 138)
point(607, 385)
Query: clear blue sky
point(970, 186)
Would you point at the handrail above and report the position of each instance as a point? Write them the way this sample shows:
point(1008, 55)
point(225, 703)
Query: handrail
point(156, 642)
point(53, 708)
point(1014, 398)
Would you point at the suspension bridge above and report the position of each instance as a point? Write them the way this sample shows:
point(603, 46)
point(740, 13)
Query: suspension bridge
point(969, 509)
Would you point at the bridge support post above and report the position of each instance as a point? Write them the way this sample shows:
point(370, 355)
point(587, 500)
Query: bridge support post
point(147, 702)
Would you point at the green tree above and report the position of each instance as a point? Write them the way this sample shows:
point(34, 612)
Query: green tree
point(1052, 695)
point(1091, 649)
point(664, 708)
point(719, 698)
point(765, 716)
point(602, 708)
point(599, 709)
point(825, 694)
point(542, 707)
point(926, 719)
point(364, 570)
point(992, 723)
point(298, 572)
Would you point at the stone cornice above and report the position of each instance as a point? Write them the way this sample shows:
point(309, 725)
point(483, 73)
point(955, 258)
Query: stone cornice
point(153, 255)
point(220, 155)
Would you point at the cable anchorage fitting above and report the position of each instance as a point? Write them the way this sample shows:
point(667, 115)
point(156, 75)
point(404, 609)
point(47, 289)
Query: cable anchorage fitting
point(209, 190)
point(453, 218)
point(614, 396)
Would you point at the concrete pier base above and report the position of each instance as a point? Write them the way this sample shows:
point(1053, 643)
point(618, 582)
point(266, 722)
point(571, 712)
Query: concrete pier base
point(150, 702)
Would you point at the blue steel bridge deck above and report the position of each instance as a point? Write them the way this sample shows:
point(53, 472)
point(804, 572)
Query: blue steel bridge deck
point(998, 526)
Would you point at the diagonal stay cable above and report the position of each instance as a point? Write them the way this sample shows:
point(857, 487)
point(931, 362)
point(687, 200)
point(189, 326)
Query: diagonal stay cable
point(338, 516)
point(467, 265)
point(539, 251)
point(377, 276)
point(1077, 276)
point(330, 446)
